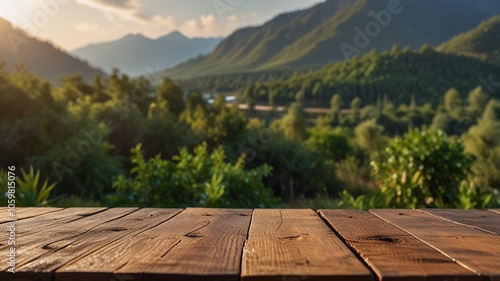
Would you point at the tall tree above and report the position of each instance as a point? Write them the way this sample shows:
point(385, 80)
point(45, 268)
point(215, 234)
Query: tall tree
point(452, 100)
point(294, 123)
point(476, 101)
point(171, 92)
point(483, 140)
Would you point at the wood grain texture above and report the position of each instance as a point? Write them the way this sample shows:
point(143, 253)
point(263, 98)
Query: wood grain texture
point(25, 213)
point(390, 252)
point(32, 248)
point(474, 249)
point(297, 245)
point(33, 225)
point(197, 244)
point(495, 211)
point(478, 219)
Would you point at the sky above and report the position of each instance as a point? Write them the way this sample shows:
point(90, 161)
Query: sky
point(74, 23)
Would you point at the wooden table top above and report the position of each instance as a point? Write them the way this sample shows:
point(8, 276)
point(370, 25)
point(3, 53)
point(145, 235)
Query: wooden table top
point(123, 244)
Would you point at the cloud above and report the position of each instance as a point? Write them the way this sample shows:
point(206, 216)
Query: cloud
point(88, 27)
point(126, 9)
point(208, 25)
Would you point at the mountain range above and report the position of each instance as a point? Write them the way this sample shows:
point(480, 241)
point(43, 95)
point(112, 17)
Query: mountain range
point(334, 30)
point(39, 57)
point(482, 42)
point(137, 55)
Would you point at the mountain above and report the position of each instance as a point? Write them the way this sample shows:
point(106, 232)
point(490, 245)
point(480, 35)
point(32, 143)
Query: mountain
point(482, 42)
point(136, 54)
point(399, 76)
point(327, 33)
point(40, 57)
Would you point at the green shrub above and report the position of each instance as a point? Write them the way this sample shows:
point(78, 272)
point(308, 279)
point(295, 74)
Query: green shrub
point(197, 179)
point(423, 169)
point(30, 191)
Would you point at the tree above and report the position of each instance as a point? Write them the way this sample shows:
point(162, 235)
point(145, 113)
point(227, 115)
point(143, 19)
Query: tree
point(330, 143)
point(171, 92)
point(483, 140)
point(336, 104)
point(99, 93)
point(369, 136)
point(452, 100)
point(355, 107)
point(294, 123)
point(476, 100)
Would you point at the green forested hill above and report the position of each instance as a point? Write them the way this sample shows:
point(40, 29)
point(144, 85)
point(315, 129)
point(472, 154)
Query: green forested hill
point(313, 37)
point(40, 57)
point(481, 42)
point(397, 76)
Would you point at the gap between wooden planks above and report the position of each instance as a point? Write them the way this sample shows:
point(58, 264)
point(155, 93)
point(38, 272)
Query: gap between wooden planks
point(25, 212)
point(474, 249)
point(197, 244)
point(33, 249)
point(297, 245)
point(390, 252)
point(478, 219)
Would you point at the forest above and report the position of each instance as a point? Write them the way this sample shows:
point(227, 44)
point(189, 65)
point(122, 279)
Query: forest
point(402, 132)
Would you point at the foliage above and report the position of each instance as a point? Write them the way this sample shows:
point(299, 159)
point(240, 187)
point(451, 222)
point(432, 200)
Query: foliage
point(424, 168)
point(199, 179)
point(395, 77)
point(75, 201)
point(477, 42)
point(30, 190)
point(294, 123)
point(483, 140)
point(80, 134)
point(369, 136)
point(332, 143)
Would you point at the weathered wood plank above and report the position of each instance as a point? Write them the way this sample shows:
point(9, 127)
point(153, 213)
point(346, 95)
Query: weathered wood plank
point(25, 213)
point(32, 247)
point(495, 211)
point(54, 219)
point(297, 245)
point(474, 249)
point(197, 244)
point(392, 253)
point(66, 251)
point(482, 220)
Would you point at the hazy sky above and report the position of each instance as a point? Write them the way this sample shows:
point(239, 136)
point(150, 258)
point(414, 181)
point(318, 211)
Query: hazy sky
point(74, 23)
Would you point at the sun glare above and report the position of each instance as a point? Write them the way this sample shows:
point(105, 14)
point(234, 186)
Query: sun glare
point(17, 11)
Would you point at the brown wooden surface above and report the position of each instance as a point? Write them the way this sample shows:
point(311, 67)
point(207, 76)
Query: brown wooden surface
point(25, 213)
point(120, 244)
point(50, 220)
point(197, 244)
point(297, 245)
point(495, 210)
point(392, 253)
point(474, 249)
point(482, 220)
point(34, 247)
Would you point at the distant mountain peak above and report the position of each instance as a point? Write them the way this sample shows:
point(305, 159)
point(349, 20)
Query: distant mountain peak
point(134, 36)
point(135, 53)
point(315, 36)
point(174, 35)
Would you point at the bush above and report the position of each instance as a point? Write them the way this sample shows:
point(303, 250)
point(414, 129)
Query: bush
point(30, 191)
point(424, 169)
point(199, 179)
